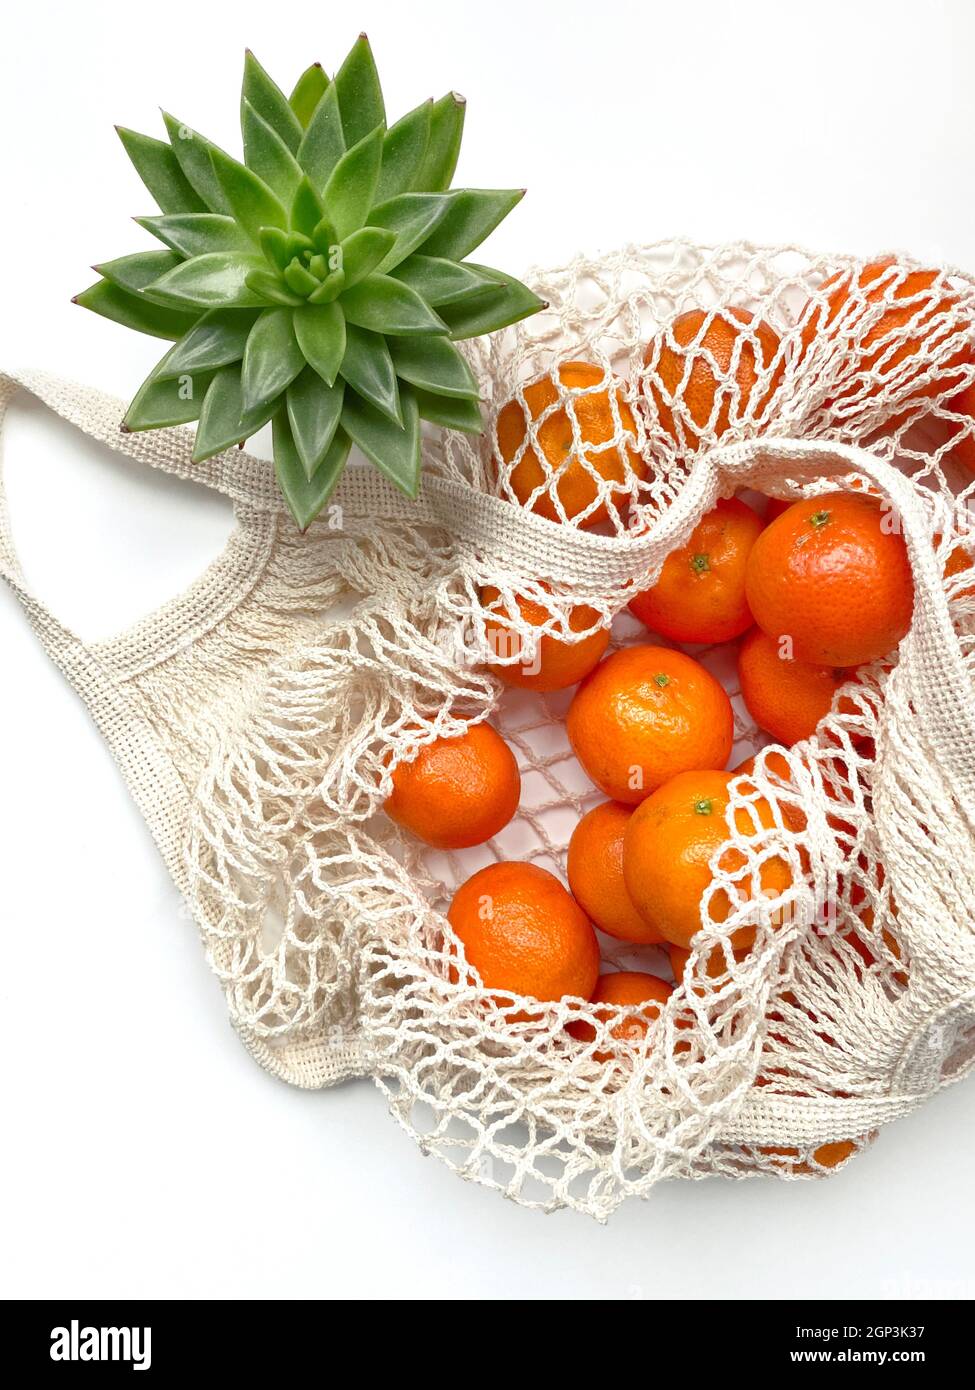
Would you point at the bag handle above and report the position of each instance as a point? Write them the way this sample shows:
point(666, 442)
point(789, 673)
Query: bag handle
point(236, 474)
point(148, 769)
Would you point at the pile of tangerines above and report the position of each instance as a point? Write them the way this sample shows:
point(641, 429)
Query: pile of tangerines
point(811, 591)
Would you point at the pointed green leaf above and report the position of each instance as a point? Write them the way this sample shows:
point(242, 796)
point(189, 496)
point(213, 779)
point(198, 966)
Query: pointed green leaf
point(362, 252)
point(323, 237)
point(321, 333)
point(385, 305)
point(394, 449)
point(272, 358)
point(433, 364)
point(251, 201)
point(134, 273)
point(159, 404)
point(274, 244)
point(215, 281)
point(450, 412)
point(269, 287)
point(413, 217)
point(404, 146)
point(360, 95)
point(308, 92)
point(351, 186)
point(159, 169)
point(472, 214)
point(323, 144)
point(267, 154)
point(217, 340)
point(196, 233)
point(443, 146)
point(440, 281)
point(368, 368)
point(486, 312)
point(307, 209)
point(313, 413)
point(330, 288)
point(135, 311)
point(306, 496)
point(269, 102)
point(223, 422)
point(192, 150)
point(300, 280)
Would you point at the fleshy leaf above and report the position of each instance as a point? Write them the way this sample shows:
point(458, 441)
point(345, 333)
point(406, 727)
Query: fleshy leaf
point(394, 449)
point(404, 146)
point(368, 368)
point(192, 150)
point(313, 413)
point(267, 154)
point(413, 217)
point(443, 146)
point(269, 102)
point(196, 233)
point(472, 214)
point(217, 340)
point(433, 364)
point(134, 273)
point(274, 244)
point(308, 92)
point(216, 281)
point(300, 280)
point(330, 288)
point(385, 305)
point(272, 358)
point(307, 209)
point(160, 171)
point(321, 333)
point(306, 496)
point(251, 201)
point(135, 311)
point(440, 281)
point(362, 252)
point(159, 404)
point(266, 285)
point(487, 311)
point(223, 422)
point(323, 144)
point(359, 92)
point(352, 184)
point(450, 412)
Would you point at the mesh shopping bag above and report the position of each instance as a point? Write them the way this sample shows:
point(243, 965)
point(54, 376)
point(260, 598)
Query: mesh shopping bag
point(257, 719)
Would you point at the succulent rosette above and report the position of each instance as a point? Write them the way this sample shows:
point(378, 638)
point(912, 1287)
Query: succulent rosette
point(320, 285)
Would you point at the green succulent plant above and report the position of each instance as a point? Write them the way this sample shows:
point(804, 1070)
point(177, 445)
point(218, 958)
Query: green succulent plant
point(320, 284)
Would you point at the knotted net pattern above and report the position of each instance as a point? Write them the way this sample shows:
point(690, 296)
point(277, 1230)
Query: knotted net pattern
point(300, 670)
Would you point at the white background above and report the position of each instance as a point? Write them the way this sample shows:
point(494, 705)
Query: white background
point(142, 1159)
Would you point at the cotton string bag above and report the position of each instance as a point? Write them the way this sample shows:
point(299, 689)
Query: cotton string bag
point(256, 719)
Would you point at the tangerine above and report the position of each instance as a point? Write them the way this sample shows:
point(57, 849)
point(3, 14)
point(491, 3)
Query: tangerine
point(903, 330)
point(557, 663)
point(625, 987)
point(645, 714)
point(594, 867)
point(575, 441)
point(831, 575)
point(700, 594)
point(786, 698)
point(524, 933)
point(712, 362)
point(457, 792)
point(670, 842)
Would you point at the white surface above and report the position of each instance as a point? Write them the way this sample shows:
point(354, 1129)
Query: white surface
point(138, 1162)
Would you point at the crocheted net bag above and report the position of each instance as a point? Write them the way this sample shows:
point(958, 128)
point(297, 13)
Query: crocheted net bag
point(256, 719)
